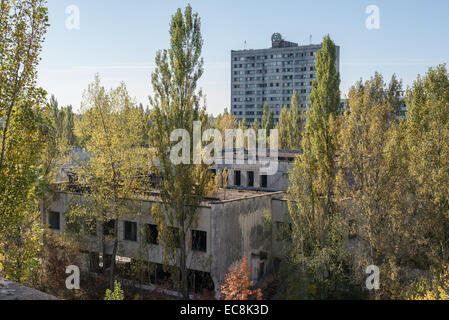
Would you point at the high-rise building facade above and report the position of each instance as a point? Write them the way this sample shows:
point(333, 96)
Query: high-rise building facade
point(271, 76)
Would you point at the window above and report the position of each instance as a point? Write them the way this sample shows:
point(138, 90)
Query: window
point(108, 228)
point(237, 178)
point(54, 220)
point(263, 181)
point(130, 231)
point(199, 240)
point(151, 233)
point(250, 178)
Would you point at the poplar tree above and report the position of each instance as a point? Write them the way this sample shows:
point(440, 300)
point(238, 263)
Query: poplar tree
point(297, 123)
point(318, 227)
point(291, 125)
point(428, 141)
point(370, 186)
point(176, 105)
point(284, 128)
point(25, 128)
point(267, 119)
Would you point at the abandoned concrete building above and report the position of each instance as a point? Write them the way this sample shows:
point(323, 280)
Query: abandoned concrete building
point(231, 225)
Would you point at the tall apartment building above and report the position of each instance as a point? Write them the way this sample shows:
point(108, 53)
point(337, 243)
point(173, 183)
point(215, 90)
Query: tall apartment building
point(271, 76)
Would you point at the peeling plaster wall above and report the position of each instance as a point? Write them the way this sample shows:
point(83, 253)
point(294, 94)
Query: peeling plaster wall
point(237, 231)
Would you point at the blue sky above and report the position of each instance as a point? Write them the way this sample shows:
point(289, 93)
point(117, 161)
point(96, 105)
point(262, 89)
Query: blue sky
point(119, 40)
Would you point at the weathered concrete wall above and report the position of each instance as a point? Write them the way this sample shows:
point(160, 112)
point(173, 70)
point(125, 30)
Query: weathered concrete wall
point(237, 231)
point(14, 291)
point(279, 213)
point(195, 260)
point(235, 228)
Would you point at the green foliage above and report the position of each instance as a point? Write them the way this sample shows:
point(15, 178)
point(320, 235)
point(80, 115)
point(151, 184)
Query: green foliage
point(25, 128)
point(385, 177)
point(291, 124)
point(176, 105)
point(318, 230)
point(117, 294)
point(113, 127)
point(267, 119)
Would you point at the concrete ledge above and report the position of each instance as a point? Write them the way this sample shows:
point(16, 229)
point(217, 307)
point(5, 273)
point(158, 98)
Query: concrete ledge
point(14, 291)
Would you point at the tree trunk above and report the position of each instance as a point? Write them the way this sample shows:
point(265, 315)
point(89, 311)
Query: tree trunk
point(114, 254)
point(183, 267)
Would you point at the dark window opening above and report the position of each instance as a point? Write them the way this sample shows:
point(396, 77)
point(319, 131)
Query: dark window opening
point(201, 282)
point(130, 231)
point(237, 178)
point(261, 270)
point(199, 240)
point(152, 234)
point(250, 179)
point(54, 220)
point(263, 181)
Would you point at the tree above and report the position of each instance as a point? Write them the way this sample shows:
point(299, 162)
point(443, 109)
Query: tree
point(114, 129)
point(284, 129)
point(318, 252)
point(24, 130)
point(255, 125)
point(267, 119)
point(427, 139)
point(291, 125)
point(176, 105)
point(237, 285)
point(226, 121)
point(368, 179)
point(57, 254)
point(117, 294)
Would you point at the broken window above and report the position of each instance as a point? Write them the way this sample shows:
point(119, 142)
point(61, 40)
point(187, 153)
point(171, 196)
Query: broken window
point(237, 178)
point(152, 233)
point(263, 181)
point(130, 231)
point(250, 178)
point(199, 240)
point(54, 220)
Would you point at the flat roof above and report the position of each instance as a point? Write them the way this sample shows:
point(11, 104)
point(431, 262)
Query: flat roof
point(220, 195)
